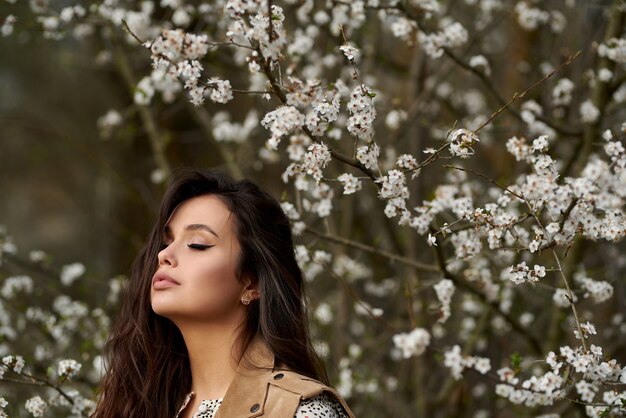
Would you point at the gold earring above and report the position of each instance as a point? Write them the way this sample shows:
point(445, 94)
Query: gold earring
point(245, 299)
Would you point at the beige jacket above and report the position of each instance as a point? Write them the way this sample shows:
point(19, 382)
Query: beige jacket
point(268, 392)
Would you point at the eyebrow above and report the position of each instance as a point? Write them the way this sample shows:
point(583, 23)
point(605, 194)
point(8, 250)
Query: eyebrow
point(193, 227)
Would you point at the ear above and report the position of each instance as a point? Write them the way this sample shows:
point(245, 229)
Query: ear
point(251, 288)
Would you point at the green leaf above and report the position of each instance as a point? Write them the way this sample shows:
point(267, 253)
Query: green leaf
point(516, 361)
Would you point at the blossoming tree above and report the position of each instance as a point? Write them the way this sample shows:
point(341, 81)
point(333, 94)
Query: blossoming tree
point(454, 172)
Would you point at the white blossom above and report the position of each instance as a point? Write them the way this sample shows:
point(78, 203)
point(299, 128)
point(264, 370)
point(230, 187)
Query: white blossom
point(431, 240)
point(368, 155)
point(413, 343)
point(562, 93)
point(461, 142)
point(394, 119)
point(530, 18)
point(315, 159)
point(36, 406)
point(362, 112)
point(14, 284)
point(220, 91)
point(68, 368)
point(350, 52)
point(351, 184)
point(589, 113)
point(605, 75)
point(481, 63)
point(614, 49)
point(108, 122)
point(71, 272)
point(144, 91)
point(7, 26)
point(444, 290)
point(393, 185)
point(281, 122)
point(452, 36)
point(561, 298)
point(15, 363)
point(599, 291)
point(176, 45)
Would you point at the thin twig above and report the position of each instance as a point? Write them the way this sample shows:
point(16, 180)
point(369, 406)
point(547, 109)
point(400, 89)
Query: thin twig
point(486, 178)
point(522, 94)
point(360, 246)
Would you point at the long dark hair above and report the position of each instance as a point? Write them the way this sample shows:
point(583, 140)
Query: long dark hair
point(147, 367)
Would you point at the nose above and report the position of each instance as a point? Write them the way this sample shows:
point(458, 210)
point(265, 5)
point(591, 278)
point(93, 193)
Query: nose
point(166, 256)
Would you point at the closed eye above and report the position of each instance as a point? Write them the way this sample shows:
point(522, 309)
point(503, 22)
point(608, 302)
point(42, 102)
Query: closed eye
point(199, 246)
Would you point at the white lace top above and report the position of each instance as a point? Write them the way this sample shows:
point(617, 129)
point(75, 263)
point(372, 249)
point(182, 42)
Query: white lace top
point(320, 406)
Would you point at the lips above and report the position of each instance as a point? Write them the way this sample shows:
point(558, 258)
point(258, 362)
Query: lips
point(163, 281)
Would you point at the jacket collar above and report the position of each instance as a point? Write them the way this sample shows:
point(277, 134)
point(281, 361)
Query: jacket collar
point(247, 392)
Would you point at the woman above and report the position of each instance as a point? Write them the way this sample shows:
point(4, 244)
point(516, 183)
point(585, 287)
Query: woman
point(213, 321)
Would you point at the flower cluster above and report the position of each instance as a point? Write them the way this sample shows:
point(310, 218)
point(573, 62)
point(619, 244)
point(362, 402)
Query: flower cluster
point(586, 330)
point(351, 184)
point(614, 49)
point(457, 362)
point(545, 389)
point(3, 404)
point(323, 114)
point(368, 155)
point(538, 390)
point(226, 131)
point(598, 290)
point(271, 42)
point(481, 63)
point(313, 161)
point(68, 368)
point(394, 119)
point(461, 142)
point(14, 363)
point(281, 122)
point(108, 122)
point(393, 185)
point(13, 285)
point(445, 290)
point(7, 26)
point(562, 93)
point(589, 113)
point(407, 161)
point(71, 272)
point(176, 56)
point(522, 273)
point(413, 343)
point(451, 36)
point(530, 18)
point(531, 111)
point(362, 112)
point(316, 158)
point(221, 91)
point(176, 46)
point(36, 406)
point(350, 52)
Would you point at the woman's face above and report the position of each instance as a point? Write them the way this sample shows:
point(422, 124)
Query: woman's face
point(195, 279)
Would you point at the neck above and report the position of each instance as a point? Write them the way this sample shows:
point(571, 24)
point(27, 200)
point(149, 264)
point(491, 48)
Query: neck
point(213, 357)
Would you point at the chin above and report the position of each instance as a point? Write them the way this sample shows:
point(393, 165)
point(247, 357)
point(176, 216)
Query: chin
point(162, 307)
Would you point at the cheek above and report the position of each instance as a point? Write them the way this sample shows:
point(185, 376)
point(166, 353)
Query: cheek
point(219, 279)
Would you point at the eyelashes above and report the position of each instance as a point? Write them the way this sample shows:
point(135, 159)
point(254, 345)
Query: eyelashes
point(199, 247)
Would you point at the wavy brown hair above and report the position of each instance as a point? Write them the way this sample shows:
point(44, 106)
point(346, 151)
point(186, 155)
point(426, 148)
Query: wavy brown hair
point(147, 372)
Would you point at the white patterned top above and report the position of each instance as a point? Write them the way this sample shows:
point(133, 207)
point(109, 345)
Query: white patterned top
point(320, 406)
